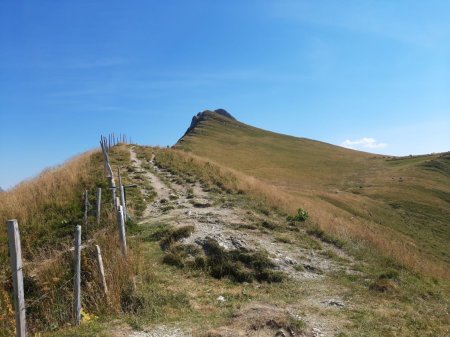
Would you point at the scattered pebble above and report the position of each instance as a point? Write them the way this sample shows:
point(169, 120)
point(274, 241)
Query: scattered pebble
point(317, 333)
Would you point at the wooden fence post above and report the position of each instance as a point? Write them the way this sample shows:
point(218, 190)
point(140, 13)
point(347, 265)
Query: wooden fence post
point(15, 251)
point(124, 202)
point(99, 203)
point(77, 276)
point(121, 227)
point(101, 269)
point(122, 195)
point(112, 185)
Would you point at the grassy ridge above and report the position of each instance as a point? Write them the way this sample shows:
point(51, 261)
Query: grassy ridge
point(400, 205)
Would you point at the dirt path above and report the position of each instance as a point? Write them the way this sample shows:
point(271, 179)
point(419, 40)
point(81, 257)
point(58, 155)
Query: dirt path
point(162, 191)
point(180, 205)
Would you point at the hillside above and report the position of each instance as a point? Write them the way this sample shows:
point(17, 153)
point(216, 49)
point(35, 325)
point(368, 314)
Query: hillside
point(218, 248)
point(405, 201)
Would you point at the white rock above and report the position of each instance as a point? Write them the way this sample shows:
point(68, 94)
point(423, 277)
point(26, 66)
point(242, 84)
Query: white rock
point(221, 299)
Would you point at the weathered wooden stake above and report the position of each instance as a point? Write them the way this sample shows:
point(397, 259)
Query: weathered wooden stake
point(77, 276)
point(99, 203)
point(121, 227)
point(112, 185)
point(122, 195)
point(101, 269)
point(124, 202)
point(15, 252)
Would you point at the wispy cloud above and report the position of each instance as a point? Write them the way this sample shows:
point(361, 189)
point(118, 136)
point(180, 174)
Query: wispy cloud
point(363, 143)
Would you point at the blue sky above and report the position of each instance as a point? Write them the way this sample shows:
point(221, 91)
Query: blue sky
point(372, 75)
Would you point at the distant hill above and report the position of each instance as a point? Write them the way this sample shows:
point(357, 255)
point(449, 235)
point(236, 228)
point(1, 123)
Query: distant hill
point(400, 204)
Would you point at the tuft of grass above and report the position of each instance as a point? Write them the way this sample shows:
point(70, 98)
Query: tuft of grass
point(297, 324)
point(239, 266)
point(190, 193)
point(321, 235)
point(268, 225)
point(174, 258)
point(285, 238)
point(176, 234)
point(386, 282)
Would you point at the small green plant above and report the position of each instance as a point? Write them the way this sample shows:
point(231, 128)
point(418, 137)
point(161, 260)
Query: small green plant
point(301, 216)
point(190, 193)
point(299, 267)
point(268, 225)
point(297, 324)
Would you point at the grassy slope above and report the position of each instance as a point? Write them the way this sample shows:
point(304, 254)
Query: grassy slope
point(407, 199)
point(48, 208)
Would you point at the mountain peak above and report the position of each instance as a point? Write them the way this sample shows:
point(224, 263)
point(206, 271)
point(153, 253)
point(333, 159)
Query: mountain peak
point(201, 116)
point(224, 113)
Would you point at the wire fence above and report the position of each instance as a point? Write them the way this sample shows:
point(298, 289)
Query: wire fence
point(18, 271)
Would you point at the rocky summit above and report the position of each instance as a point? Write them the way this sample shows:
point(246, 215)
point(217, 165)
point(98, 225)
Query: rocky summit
point(201, 116)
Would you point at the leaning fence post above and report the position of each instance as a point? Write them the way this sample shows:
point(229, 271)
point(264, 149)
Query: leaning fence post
point(99, 203)
point(15, 252)
point(101, 269)
point(77, 276)
point(121, 227)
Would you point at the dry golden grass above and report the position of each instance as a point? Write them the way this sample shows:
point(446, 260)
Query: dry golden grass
point(56, 184)
point(53, 189)
point(32, 203)
point(48, 208)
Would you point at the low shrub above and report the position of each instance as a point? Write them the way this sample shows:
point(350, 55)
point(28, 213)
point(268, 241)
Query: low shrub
point(173, 235)
point(239, 265)
point(301, 216)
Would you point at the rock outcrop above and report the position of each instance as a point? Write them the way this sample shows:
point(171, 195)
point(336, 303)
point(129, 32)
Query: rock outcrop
point(201, 116)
